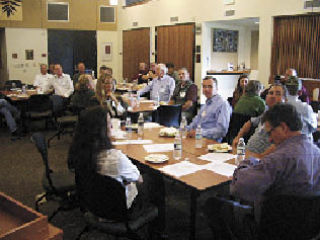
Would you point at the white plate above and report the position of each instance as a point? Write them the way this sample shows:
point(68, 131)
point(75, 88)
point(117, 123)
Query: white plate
point(156, 158)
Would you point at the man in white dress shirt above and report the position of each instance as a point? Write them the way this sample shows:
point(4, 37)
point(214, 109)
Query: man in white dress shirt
point(43, 80)
point(62, 83)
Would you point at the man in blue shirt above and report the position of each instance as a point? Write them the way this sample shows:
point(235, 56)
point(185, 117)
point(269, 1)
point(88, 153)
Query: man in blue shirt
point(214, 116)
point(161, 88)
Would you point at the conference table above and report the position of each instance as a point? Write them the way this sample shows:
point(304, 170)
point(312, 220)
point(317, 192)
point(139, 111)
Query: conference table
point(198, 182)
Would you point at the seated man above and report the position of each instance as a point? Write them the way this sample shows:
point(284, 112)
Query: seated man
point(172, 73)
point(303, 94)
point(81, 70)
point(62, 83)
point(292, 169)
point(258, 144)
point(142, 76)
point(161, 87)
point(186, 93)
point(309, 119)
point(43, 80)
point(214, 116)
point(9, 112)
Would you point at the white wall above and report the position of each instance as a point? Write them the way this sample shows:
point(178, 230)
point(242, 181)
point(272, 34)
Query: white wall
point(110, 37)
point(17, 41)
point(158, 12)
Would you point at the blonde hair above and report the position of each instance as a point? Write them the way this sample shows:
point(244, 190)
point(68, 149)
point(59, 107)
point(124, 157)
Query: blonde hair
point(100, 92)
point(83, 83)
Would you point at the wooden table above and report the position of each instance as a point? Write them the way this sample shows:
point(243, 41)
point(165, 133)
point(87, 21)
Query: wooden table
point(198, 182)
point(18, 96)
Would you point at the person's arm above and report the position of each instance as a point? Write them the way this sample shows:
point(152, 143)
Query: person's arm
point(172, 86)
point(70, 88)
point(146, 89)
point(127, 170)
point(191, 97)
point(243, 132)
point(261, 155)
point(188, 104)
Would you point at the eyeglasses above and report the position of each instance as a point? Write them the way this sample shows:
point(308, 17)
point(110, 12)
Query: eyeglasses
point(207, 86)
point(271, 130)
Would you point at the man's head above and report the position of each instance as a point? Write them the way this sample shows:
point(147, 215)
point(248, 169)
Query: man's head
point(209, 86)
point(106, 81)
point(276, 94)
point(103, 70)
point(161, 70)
point(43, 69)
point(289, 72)
point(254, 87)
point(293, 85)
point(281, 122)
point(58, 69)
point(142, 66)
point(81, 67)
point(183, 74)
point(170, 67)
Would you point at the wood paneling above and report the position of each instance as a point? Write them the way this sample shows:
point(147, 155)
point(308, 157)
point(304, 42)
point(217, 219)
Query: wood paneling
point(296, 45)
point(176, 44)
point(136, 48)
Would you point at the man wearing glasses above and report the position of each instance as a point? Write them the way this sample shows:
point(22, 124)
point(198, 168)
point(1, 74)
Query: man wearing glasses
point(214, 116)
point(258, 144)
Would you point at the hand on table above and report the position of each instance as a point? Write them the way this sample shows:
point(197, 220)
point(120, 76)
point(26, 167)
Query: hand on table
point(191, 133)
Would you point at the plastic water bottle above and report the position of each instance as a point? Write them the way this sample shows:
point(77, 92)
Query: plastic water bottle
point(183, 127)
point(241, 151)
point(177, 147)
point(128, 127)
point(199, 137)
point(140, 126)
point(24, 89)
point(156, 99)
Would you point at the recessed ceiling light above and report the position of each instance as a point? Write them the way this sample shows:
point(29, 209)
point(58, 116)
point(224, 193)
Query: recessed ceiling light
point(113, 2)
point(257, 22)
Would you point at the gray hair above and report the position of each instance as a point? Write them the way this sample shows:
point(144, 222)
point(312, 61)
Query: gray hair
point(254, 87)
point(163, 68)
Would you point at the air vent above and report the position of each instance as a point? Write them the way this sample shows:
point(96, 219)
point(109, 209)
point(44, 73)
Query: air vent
point(58, 11)
point(107, 14)
point(135, 24)
point(174, 19)
point(311, 4)
point(229, 12)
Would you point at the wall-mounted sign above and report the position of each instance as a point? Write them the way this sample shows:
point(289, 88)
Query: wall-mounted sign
point(106, 51)
point(29, 54)
point(11, 10)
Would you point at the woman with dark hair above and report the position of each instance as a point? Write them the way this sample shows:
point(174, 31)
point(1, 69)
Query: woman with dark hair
point(92, 152)
point(240, 89)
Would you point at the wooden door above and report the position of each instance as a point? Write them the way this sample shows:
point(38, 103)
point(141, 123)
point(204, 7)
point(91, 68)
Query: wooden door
point(136, 49)
point(175, 44)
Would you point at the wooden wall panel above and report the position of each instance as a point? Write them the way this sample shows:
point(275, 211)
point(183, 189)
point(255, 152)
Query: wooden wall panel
point(176, 44)
point(136, 48)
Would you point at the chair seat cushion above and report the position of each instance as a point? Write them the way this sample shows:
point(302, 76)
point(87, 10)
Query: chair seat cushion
point(118, 228)
point(63, 181)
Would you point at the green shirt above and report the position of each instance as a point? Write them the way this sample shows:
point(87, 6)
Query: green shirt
point(250, 105)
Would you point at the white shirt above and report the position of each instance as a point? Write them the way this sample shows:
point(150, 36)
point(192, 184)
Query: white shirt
point(63, 85)
point(115, 164)
point(43, 81)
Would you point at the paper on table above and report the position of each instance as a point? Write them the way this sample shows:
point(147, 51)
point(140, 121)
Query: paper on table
point(151, 125)
point(167, 147)
point(225, 169)
point(217, 157)
point(118, 134)
point(132, 142)
point(180, 169)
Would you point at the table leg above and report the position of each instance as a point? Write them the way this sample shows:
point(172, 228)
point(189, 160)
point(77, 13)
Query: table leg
point(193, 213)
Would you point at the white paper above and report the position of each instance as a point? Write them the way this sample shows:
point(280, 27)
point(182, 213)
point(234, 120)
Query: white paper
point(152, 148)
point(180, 169)
point(217, 157)
point(148, 125)
point(118, 134)
point(132, 142)
point(224, 169)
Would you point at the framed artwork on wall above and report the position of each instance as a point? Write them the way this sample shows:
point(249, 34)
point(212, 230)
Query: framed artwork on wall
point(29, 54)
point(106, 51)
point(225, 40)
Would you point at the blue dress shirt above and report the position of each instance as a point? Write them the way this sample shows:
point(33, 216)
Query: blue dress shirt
point(214, 118)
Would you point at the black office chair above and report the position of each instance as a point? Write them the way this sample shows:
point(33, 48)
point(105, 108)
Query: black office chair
point(9, 84)
point(40, 107)
point(103, 203)
point(59, 184)
point(237, 120)
point(169, 115)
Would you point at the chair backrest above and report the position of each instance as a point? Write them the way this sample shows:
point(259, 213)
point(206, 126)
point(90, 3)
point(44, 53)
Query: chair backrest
point(290, 217)
point(57, 104)
point(169, 115)
point(237, 120)
point(40, 141)
point(101, 195)
point(39, 103)
point(13, 84)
